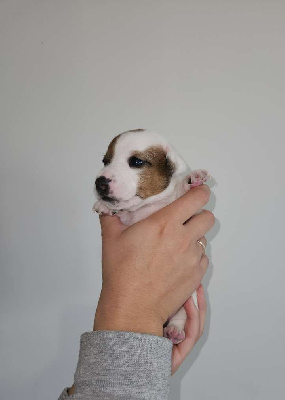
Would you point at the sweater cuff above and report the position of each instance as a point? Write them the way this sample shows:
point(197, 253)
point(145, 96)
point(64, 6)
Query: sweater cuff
point(128, 364)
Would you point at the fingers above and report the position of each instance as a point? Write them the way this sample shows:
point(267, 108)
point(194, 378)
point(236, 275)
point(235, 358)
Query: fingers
point(187, 205)
point(195, 317)
point(204, 263)
point(200, 224)
point(202, 308)
point(111, 226)
point(194, 329)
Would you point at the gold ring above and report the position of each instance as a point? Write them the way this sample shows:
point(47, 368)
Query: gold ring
point(202, 244)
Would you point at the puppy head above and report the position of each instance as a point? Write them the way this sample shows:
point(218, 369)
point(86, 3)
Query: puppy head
point(138, 165)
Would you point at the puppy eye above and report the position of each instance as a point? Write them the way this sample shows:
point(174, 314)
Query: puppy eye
point(136, 162)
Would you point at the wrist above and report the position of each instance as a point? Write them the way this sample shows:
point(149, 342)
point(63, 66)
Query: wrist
point(114, 318)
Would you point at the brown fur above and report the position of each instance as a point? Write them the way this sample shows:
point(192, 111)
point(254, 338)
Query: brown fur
point(111, 148)
point(108, 157)
point(154, 178)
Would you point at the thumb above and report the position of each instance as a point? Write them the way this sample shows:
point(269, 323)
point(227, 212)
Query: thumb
point(110, 225)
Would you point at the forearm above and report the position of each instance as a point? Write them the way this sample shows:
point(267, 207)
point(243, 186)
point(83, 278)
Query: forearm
point(114, 314)
point(120, 365)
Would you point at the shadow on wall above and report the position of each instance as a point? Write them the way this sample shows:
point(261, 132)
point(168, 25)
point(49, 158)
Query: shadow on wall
point(175, 386)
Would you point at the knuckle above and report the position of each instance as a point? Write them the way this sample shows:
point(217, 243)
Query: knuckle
point(182, 247)
point(155, 222)
point(164, 228)
point(206, 262)
point(198, 259)
point(194, 258)
point(210, 216)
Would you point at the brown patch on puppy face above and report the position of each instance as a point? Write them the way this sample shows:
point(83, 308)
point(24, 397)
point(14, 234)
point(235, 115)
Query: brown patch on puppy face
point(110, 151)
point(155, 174)
point(111, 148)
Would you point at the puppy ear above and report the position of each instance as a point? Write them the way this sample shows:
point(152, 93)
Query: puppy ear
point(178, 165)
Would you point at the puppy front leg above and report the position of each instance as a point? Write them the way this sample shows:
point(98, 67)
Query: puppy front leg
point(196, 178)
point(125, 217)
point(101, 208)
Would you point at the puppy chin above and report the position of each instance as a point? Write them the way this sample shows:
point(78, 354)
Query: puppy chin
point(116, 203)
point(136, 202)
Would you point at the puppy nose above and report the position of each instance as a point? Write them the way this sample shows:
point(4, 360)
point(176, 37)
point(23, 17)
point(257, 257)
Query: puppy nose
point(102, 184)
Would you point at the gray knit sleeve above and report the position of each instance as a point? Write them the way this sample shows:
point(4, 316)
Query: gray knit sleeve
point(122, 365)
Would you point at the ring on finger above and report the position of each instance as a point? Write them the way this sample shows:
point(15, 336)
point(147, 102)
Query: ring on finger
point(203, 246)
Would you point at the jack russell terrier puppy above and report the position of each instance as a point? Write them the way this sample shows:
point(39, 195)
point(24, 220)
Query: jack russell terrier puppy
point(143, 173)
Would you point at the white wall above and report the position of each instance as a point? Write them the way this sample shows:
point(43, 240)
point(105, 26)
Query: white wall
point(209, 75)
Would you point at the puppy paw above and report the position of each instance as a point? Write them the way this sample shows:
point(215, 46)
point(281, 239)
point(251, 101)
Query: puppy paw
point(100, 208)
point(197, 178)
point(174, 334)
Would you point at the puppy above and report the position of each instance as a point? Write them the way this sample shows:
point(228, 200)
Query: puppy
point(143, 173)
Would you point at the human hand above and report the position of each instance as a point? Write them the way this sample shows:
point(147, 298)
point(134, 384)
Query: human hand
point(152, 267)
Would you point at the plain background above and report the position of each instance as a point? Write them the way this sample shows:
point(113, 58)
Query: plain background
point(209, 76)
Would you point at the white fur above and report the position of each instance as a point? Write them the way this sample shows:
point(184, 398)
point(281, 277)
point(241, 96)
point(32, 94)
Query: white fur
point(125, 179)
point(130, 208)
